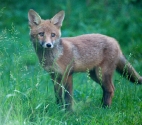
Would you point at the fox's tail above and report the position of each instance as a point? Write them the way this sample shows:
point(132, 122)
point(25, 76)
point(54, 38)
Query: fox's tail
point(126, 69)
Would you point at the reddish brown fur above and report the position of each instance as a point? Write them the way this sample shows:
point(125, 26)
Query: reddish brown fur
point(62, 57)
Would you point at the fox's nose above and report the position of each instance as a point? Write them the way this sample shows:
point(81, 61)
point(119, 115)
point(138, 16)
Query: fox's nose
point(48, 45)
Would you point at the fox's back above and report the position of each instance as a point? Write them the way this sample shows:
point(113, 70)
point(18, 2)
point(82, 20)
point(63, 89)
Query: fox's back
point(91, 50)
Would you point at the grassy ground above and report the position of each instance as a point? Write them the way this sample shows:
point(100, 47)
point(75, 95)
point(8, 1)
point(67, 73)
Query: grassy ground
point(26, 91)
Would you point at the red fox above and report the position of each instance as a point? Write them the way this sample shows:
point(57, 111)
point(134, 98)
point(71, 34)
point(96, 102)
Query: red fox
point(61, 57)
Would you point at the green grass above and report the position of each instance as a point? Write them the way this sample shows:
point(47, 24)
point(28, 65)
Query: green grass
point(26, 90)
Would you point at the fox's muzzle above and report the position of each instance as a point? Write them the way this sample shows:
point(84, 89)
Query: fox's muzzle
point(46, 45)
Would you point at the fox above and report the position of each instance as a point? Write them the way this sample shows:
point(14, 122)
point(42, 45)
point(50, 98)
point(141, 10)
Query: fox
point(61, 57)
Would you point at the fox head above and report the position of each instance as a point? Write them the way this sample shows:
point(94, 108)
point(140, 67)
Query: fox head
point(45, 32)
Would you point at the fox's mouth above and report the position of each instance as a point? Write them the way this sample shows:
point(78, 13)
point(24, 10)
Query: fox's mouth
point(46, 45)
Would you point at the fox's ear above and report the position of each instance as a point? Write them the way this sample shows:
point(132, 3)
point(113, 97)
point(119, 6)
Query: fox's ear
point(34, 18)
point(58, 19)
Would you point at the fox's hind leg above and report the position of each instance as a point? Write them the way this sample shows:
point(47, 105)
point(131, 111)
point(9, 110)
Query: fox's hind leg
point(105, 80)
point(107, 69)
point(108, 90)
point(95, 75)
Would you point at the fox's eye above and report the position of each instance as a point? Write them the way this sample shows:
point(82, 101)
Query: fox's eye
point(41, 33)
point(52, 34)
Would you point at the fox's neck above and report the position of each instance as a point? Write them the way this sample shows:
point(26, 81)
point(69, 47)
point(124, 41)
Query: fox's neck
point(48, 56)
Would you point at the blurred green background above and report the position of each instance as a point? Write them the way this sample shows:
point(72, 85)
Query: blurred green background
point(26, 93)
point(119, 19)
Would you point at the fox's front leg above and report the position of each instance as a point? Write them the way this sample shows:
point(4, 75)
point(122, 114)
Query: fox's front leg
point(58, 89)
point(68, 93)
